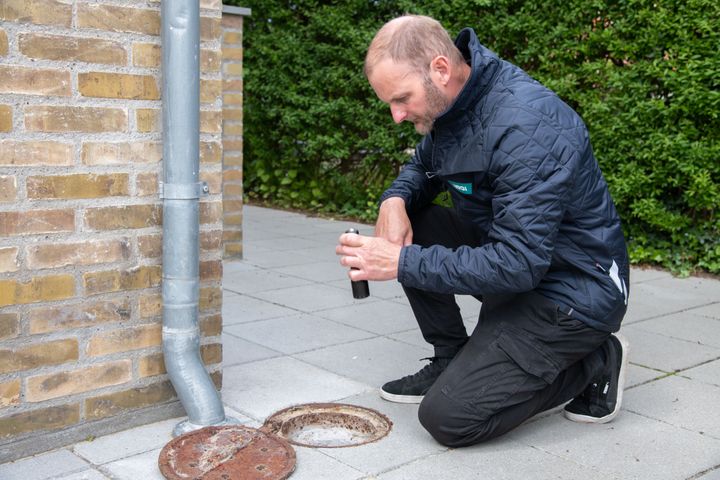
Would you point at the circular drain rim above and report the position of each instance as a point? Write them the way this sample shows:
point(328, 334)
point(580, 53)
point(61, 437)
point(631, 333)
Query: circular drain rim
point(229, 451)
point(282, 421)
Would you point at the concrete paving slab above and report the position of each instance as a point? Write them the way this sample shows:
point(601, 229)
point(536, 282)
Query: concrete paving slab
point(243, 308)
point(127, 443)
point(713, 474)
point(44, 466)
point(469, 306)
point(271, 258)
point(389, 290)
point(678, 401)
point(289, 243)
point(433, 467)
point(235, 266)
point(309, 298)
point(406, 442)
point(312, 464)
point(645, 274)
point(685, 326)
point(254, 232)
point(374, 315)
point(373, 361)
point(321, 271)
point(259, 389)
point(657, 351)
point(712, 311)
point(638, 374)
point(143, 466)
point(507, 460)
point(236, 350)
point(667, 295)
point(297, 333)
point(708, 373)
point(84, 475)
point(254, 281)
point(630, 447)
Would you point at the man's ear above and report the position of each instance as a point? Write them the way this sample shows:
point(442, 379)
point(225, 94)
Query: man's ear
point(440, 69)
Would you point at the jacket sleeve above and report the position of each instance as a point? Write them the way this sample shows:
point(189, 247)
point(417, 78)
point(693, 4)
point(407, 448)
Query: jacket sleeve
point(530, 192)
point(416, 183)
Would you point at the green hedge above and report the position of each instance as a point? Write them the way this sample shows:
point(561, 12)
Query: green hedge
point(644, 75)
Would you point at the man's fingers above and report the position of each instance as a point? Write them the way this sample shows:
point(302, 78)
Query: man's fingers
point(352, 239)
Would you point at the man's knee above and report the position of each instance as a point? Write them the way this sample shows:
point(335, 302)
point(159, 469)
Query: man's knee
point(450, 424)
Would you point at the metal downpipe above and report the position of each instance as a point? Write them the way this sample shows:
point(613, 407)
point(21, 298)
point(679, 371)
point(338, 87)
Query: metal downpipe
point(180, 191)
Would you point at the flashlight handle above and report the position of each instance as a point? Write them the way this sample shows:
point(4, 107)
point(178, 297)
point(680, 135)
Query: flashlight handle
point(360, 288)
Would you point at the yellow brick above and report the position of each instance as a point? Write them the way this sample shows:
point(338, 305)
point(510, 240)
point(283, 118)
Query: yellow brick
point(150, 246)
point(232, 159)
point(8, 188)
point(232, 191)
point(146, 184)
point(232, 175)
point(39, 221)
point(121, 153)
point(232, 114)
point(211, 270)
point(211, 325)
point(210, 121)
point(233, 250)
point(3, 43)
point(112, 281)
point(232, 22)
point(213, 180)
point(233, 69)
point(210, 90)
point(210, 28)
point(77, 186)
point(43, 419)
point(150, 305)
point(6, 118)
point(35, 153)
point(38, 289)
point(75, 119)
point(55, 385)
point(235, 85)
point(85, 314)
point(231, 53)
point(131, 216)
point(232, 38)
point(211, 353)
point(9, 259)
point(44, 12)
point(113, 404)
point(210, 298)
point(126, 339)
point(55, 255)
point(70, 49)
point(34, 81)
point(210, 241)
point(148, 120)
point(118, 85)
point(151, 365)
point(210, 61)
point(210, 4)
point(233, 145)
point(9, 393)
point(210, 152)
point(118, 19)
point(232, 99)
point(9, 325)
point(210, 212)
point(147, 55)
point(38, 355)
point(233, 128)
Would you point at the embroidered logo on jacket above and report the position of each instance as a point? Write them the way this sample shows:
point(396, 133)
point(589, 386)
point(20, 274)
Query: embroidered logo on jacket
point(464, 188)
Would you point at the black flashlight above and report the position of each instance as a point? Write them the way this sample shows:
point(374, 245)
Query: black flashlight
point(360, 289)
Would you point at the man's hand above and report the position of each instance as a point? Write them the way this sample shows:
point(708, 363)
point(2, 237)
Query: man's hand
point(374, 258)
point(393, 223)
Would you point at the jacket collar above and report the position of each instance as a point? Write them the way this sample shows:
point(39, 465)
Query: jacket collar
point(484, 64)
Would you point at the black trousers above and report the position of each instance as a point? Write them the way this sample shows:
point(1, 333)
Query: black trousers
point(525, 355)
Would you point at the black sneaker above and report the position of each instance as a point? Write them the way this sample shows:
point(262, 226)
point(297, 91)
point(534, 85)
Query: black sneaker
point(602, 399)
point(412, 388)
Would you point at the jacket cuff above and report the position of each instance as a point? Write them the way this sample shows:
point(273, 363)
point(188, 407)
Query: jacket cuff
point(407, 253)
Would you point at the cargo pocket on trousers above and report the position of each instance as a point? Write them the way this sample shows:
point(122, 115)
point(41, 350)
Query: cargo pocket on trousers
point(529, 354)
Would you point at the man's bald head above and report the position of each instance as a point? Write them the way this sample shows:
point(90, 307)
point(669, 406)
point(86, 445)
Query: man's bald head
point(414, 40)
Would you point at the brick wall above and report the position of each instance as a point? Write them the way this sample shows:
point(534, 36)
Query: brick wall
point(232, 68)
point(80, 217)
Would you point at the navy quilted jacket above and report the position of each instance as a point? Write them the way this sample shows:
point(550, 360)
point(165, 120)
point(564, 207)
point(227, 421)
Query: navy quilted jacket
point(518, 162)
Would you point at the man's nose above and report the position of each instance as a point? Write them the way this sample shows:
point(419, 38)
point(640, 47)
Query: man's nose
point(398, 114)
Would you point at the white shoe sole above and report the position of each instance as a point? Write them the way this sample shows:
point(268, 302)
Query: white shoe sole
point(392, 397)
point(621, 387)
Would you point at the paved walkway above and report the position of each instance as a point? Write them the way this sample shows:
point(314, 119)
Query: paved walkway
point(293, 334)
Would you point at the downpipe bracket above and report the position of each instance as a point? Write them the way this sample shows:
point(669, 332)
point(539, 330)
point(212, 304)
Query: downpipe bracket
point(183, 191)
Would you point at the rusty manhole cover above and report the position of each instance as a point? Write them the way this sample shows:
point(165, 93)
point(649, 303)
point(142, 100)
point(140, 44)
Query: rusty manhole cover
point(328, 425)
point(232, 452)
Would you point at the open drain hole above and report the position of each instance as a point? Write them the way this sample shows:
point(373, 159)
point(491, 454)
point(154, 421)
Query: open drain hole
point(328, 425)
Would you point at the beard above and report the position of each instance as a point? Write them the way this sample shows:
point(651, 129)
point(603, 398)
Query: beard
point(437, 103)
